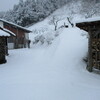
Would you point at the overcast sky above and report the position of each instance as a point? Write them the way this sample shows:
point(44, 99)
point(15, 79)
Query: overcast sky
point(7, 4)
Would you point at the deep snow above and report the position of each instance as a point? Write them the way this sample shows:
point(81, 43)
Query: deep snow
point(54, 72)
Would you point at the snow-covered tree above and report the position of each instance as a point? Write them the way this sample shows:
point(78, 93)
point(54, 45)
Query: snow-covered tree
point(54, 21)
point(32, 11)
point(90, 8)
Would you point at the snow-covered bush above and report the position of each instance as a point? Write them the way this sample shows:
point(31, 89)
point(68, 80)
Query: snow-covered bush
point(49, 37)
point(46, 38)
point(39, 38)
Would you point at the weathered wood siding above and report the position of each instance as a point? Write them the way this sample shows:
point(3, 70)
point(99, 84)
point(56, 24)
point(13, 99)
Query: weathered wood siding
point(19, 40)
point(2, 49)
point(93, 29)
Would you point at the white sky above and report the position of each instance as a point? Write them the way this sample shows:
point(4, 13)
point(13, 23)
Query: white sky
point(7, 4)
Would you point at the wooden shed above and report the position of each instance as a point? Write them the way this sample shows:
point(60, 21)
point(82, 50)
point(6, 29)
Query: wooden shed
point(3, 42)
point(21, 33)
point(4, 34)
point(92, 26)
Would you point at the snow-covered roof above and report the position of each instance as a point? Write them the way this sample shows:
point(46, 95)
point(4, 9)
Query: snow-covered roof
point(88, 20)
point(3, 33)
point(7, 31)
point(20, 27)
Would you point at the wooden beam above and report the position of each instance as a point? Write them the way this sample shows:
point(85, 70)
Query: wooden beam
point(90, 65)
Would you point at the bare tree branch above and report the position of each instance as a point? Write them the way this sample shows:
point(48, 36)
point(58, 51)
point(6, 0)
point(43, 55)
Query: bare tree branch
point(54, 21)
point(70, 22)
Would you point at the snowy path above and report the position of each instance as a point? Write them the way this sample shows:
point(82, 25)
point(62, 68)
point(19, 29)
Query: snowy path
point(56, 72)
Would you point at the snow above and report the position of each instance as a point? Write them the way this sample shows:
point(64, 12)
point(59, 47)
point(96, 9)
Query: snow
point(3, 33)
point(51, 72)
point(88, 20)
point(54, 72)
point(44, 27)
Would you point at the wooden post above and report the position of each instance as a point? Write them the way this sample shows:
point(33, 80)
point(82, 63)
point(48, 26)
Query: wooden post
point(2, 50)
point(90, 65)
point(6, 46)
point(93, 28)
point(16, 40)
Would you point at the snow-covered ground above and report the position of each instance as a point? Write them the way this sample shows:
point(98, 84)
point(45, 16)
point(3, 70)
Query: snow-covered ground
point(54, 72)
point(51, 72)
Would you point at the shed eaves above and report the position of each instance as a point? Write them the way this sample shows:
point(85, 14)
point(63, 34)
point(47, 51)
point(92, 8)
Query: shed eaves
point(7, 31)
point(94, 19)
point(89, 24)
point(20, 27)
